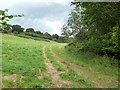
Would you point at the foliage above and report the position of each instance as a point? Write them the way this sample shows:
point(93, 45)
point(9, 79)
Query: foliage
point(65, 31)
point(5, 17)
point(6, 31)
point(23, 57)
point(15, 32)
point(55, 36)
point(95, 27)
point(43, 37)
point(38, 32)
point(30, 30)
point(8, 27)
point(17, 28)
point(62, 39)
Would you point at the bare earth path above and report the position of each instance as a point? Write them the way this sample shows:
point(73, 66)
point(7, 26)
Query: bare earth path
point(56, 80)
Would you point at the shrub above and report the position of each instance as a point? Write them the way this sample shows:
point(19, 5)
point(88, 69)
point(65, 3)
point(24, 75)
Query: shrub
point(6, 31)
point(15, 32)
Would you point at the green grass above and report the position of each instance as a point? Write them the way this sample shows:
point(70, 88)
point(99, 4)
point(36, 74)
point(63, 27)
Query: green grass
point(98, 68)
point(30, 37)
point(51, 58)
point(69, 75)
point(24, 57)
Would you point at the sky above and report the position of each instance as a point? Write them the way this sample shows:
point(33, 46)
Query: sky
point(42, 15)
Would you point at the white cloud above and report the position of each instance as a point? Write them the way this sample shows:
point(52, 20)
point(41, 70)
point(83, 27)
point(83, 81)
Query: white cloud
point(42, 15)
point(55, 25)
point(44, 1)
point(9, 3)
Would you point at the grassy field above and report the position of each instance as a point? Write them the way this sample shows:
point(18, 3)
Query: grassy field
point(32, 63)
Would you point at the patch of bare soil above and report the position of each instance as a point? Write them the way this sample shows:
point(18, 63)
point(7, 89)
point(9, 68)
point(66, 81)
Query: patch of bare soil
point(10, 77)
point(0, 77)
point(56, 80)
point(22, 77)
point(57, 58)
point(3, 54)
point(61, 47)
point(14, 78)
point(53, 54)
point(40, 75)
point(65, 63)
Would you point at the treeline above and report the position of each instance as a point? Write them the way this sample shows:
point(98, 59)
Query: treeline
point(20, 31)
point(95, 27)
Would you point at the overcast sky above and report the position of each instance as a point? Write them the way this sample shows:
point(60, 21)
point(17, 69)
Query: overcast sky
point(42, 15)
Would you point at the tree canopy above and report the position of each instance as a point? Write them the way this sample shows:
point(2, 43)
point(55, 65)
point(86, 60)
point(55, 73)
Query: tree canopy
point(96, 26)
point(17, 28)
point(29, 30)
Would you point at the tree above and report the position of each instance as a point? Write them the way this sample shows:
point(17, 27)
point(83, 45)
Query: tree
point(17, 28)
point(55, 36)
point(62, 39)
point(5, 17)
point(8, 27)
point(96, 27)
point(30, 30)
point(38, 32)
point(47, 34)
point(66, 32)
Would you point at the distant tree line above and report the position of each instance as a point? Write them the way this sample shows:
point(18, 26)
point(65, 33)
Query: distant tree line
point(17, 29)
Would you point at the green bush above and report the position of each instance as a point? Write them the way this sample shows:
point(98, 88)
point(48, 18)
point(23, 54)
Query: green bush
point(6, 31)
point(15, 32)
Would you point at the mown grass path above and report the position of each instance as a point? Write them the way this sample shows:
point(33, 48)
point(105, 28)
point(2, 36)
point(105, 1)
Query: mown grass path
point(56, 80)
point(72, 76)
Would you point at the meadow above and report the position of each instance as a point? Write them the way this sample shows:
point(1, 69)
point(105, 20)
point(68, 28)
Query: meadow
point(28, 63)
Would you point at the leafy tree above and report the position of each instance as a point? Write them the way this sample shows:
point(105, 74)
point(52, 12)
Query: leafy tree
point(8, 27)
point(30, 30)
point(62, 39)
point(95, 26)
point(47, 34)
point(15, 32)
point(5, 17)
point(55, 36)
point(66, 32)
point(6, 31)
point(17, 28)
point(38, 32)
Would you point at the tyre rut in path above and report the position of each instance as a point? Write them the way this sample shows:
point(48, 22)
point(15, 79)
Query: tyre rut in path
point(56, 80)
point(74, 68)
